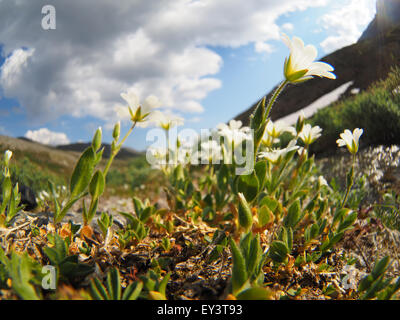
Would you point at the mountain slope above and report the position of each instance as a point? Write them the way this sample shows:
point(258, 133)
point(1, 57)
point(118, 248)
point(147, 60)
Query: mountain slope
point(124, 153)
point(364, 62)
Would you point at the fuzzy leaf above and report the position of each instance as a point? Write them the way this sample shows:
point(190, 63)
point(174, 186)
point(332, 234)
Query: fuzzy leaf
point(239, 272)
point(82, 174)
point(133, 291)
point(256, 293)
point(96, 186)
point(248, 185)
point(245, 214)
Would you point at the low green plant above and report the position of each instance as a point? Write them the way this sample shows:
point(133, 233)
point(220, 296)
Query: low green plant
point(105, 222)
point(68, 266)
point(153, 287)
point(11, 197)
point(248, 260)
point(113, 289)
point(375, 285)
point(25, 275)
point(373, 109)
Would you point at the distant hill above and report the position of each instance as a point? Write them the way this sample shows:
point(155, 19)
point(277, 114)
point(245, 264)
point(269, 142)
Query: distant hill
point(124, 153)
point(59, 160)
point(363, 63)
point(79, 147)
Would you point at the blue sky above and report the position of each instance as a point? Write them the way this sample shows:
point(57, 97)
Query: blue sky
point(203, 63)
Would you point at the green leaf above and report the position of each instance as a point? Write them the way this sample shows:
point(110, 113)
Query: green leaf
point(20, 271)
point(257, 118)
point(339, 215)
point(114, 284)
point(365, 283)
point(373, 289)
point(145, 214)
point(54, 196)
point(129, 216)
point(64, 211)
point(98, 292)
point(265, 215)
point(239, 272)
point(336, 238)
point(347, 222)
point(255, 293)
point(380, 267)
point(57, 253)
point(163, 284)
point(82, 173)
point(278, 251)
point(245, 214)
point(261, 172)
point(254, 254)
point(293, 216)
point(92, 209)
point(133, 291)
point(7, 188)
point(138, 205)
point(223, 177)
point(96, 186)
point(248, 185)
point(155, 295)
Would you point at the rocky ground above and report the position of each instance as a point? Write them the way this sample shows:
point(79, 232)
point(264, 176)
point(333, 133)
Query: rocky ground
point(195, 275)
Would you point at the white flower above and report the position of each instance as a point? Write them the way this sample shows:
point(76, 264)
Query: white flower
point(233, 136)
point(300, 65)
point(309, 134)
point(156, 157)
point(211, 152)
point(351, 140)
point(322, 181)
point(275, 129)
point(180, 156)
point(275, 155)
point(234, 133)
point(139, 111)
point(166, 120)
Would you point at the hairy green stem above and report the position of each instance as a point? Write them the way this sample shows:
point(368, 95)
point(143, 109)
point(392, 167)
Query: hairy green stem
point(115, 152)
point(349, 185)
point(277, 92)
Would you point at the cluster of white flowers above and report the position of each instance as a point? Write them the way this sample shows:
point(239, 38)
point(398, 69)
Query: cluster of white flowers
point(216, 146)
point(274, 130)
point(275, 155)
point(60, 193)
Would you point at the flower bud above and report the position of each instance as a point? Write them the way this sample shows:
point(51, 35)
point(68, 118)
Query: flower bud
point(96, 142)
point(7, 157)
point(117, 130)
point(300, 123)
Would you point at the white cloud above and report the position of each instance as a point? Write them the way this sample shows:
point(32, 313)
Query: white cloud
point(287, 26)
point(102, 48)
point(263, 47)
point(46, 136)
point(346, 23)
point(12, 68)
